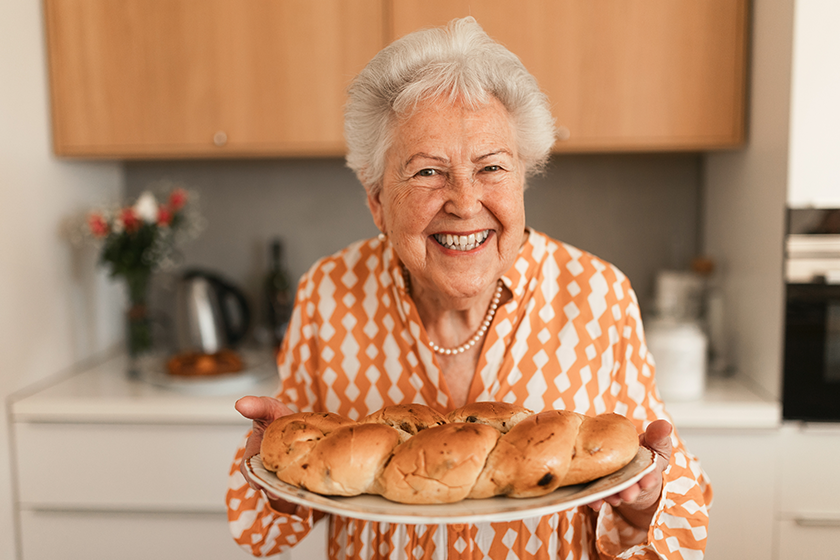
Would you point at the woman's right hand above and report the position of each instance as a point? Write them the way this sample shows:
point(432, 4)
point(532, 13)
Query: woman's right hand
point(262, 411)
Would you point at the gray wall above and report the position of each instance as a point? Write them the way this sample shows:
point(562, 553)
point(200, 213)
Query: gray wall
point(639, 212)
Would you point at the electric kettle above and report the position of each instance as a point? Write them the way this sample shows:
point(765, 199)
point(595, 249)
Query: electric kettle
point(211, 313)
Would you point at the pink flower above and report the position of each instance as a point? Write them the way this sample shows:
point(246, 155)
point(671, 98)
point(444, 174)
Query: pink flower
point(97, 225)
point(130, 221)
point(177, 199)
point(164, 216)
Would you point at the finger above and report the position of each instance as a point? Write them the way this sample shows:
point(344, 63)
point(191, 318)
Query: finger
point(657, 437)
point(244, 470)
point(271, 495)
point(614, 500)
point(596, 505)
point(261, 409)
point(252, 446)
point(649, 481)
point(630, 493)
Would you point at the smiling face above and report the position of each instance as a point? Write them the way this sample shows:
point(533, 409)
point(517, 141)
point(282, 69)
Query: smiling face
point(452, 197)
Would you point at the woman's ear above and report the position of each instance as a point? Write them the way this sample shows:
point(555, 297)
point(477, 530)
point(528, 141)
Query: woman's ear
point(375, 204)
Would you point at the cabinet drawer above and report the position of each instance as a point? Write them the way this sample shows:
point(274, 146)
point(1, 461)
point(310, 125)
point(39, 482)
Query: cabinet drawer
point(98, 535)
point(809, 481)
point(142, 536)
point(801, 541)
point(125, 467)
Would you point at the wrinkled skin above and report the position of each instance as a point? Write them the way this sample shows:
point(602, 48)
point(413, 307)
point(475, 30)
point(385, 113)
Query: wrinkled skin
point(262, 411)
point(638, 503)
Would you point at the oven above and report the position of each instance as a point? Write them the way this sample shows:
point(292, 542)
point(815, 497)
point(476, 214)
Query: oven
point(811, 386)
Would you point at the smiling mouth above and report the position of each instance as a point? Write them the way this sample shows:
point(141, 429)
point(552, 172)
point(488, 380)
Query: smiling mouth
point(462, 242)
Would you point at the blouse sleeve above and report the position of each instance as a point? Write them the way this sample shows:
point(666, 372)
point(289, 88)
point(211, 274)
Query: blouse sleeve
point(679, 526)
point(255, 526)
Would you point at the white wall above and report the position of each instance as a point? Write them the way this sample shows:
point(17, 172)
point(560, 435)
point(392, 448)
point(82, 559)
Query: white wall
point(55, 308)
point(745, 195)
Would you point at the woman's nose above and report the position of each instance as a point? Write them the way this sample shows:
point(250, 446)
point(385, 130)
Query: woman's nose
point(464, 196)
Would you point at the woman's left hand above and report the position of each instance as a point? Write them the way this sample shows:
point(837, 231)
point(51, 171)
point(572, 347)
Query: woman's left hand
point(638, 503)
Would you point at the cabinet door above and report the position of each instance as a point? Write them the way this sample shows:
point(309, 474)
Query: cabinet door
point(810, 487)
point(813, 173)
point(181, 78)
point(741, 465)
point(628, 75)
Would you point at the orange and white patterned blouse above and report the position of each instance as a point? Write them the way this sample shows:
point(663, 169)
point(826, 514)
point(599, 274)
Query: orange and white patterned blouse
point(570, 338)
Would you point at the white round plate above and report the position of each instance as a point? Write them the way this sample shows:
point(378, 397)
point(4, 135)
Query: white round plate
point(258, 366)
point(377, 508)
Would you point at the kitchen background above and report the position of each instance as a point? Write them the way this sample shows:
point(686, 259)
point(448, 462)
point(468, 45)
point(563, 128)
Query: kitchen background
point(643, 212)
point(640, 212)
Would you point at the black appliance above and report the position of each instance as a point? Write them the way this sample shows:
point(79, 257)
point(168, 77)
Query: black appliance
point(811, 387)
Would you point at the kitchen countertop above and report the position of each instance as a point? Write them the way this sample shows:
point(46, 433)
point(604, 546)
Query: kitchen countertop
point(728, 402)
point(105, 393)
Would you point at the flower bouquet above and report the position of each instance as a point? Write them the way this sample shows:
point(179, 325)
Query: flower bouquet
point(136, 241)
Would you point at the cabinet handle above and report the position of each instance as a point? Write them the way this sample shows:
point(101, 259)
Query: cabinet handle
point(817, 520)
point(563, 133)
point(220, 138)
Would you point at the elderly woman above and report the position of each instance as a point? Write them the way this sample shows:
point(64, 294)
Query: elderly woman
point(458, 301)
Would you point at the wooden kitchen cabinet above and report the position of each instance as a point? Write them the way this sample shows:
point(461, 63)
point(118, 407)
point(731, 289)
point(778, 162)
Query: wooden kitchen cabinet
point(629, 75)
point(221, 78)
point(205, 78)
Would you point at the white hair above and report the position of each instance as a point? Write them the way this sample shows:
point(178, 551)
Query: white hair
point(458, 61)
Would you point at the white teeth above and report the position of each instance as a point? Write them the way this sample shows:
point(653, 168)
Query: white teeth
point(462, 242)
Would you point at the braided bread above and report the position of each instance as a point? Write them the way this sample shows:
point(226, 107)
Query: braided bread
point(412, 454)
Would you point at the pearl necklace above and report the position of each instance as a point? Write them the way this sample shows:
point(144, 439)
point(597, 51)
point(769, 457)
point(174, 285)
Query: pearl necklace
point(482, 330)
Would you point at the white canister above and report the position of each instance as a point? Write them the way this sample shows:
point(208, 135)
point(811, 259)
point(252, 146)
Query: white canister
point(679, 350)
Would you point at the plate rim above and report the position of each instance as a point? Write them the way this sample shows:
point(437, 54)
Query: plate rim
point(509, 509)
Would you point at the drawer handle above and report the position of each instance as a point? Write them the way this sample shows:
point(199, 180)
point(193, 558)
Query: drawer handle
point(817, 520)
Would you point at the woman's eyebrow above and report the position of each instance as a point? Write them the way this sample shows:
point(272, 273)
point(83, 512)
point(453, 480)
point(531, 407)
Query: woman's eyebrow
point(423, 155)
point(503, 151)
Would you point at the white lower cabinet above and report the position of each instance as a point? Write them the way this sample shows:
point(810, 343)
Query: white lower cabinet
point(105, 535)
point(107, 467)
point(776, 492)
point(158, 467)
point(124, 490)
point(809, 492)
point(130, 491)
point(741, 465)
point(800, 540)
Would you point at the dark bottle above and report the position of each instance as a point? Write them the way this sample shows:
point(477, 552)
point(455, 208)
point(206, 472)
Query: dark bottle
point(278, 292)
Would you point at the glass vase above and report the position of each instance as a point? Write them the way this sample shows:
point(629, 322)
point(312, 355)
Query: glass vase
point(138, 321)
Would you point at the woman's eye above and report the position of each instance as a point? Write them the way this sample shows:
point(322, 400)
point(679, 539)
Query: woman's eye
point(492, 168)
point(427, 172)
